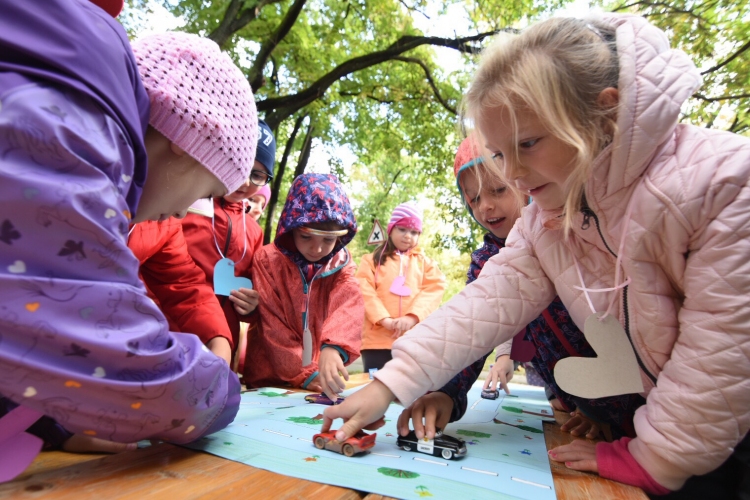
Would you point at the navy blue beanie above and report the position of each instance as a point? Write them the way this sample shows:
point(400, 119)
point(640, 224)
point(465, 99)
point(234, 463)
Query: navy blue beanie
point(266, 152)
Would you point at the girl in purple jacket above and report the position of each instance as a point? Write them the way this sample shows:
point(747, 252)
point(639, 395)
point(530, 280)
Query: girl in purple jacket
point(93, 138)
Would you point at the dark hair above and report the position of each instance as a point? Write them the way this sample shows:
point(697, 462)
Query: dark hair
point(385, 251)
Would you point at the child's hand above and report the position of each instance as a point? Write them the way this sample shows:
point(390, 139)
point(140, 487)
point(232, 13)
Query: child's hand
point(387, 323)
point(245, 300)
point(330, 365)
point(435, 408)
point(362, 410)
point(403, 324)
point(502, 371)
point(220, 346)
point(578, 455)
point(580, 424)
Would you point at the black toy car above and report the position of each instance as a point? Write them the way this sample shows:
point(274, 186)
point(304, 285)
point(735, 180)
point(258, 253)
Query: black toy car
point(443, 445)
point(490, 393)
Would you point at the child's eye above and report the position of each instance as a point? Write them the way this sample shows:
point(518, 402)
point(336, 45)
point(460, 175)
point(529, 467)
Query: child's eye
point(529, 143)
point(330, 240)
point(497, 156)
point(499, 191)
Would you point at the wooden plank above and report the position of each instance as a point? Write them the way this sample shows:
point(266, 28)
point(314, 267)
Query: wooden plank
point(159, 471)
point(576, 485)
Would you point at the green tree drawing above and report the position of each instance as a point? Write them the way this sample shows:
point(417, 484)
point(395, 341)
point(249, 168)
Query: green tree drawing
point(305, 420)
point(403, 474)
point(478, 434)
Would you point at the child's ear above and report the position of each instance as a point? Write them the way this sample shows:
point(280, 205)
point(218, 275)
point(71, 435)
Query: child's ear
point(608, 98)
point(176, 149)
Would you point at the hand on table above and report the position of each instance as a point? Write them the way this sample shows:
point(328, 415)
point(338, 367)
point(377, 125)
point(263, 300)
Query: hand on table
point(434, 408)
point(362, 410)
point(245, 300)
point(330, 365)
point(580, 425)
point(502, 371)
point(578, 455)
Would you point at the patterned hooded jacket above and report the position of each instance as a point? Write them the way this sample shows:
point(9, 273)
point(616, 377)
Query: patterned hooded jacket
point(330, 303)
point(79, 338)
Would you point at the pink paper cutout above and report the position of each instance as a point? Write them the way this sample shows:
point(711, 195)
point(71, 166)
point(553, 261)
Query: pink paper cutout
point(399, 288)
point(17, 448)
point(522, 350)
point(17, 453)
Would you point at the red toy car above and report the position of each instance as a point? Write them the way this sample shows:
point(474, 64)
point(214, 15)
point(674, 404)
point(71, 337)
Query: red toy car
point(356, 444)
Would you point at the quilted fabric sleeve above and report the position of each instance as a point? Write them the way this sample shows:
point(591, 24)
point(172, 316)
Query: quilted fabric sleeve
point(699, 409)
point(459, 386)
point(511, 291)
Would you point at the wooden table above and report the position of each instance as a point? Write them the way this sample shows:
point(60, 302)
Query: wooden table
point(168, 471)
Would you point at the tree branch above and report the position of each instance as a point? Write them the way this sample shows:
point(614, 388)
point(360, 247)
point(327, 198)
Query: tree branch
point(255, 76)
point(728, 59)
point(428, 75)
point(722, 98)
point(278, 177)
point(413, 9)
point(304, 155)
point(282, 107)
point(235, 18)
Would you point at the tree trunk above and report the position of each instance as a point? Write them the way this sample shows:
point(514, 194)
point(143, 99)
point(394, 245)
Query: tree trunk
point(277, 178)
point(304, 155)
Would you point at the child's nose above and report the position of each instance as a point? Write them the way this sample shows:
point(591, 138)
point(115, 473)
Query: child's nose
point(512, 169)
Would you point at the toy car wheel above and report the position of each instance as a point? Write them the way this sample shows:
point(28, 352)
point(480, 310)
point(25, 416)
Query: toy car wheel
point(320, 443)
point(406, 447)
point(447, 454)
point(348, 450)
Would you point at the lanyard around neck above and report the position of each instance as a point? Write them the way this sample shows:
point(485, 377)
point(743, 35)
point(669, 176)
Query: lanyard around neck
point(244, 233)
point(586, 291)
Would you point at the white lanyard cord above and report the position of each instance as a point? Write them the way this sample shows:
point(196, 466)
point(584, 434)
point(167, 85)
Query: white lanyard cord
point(244, 234)
point(625, 283)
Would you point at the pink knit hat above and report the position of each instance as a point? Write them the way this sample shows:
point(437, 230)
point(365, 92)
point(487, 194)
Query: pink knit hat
point(406, 215)
point(201, 101)
point(265, 192)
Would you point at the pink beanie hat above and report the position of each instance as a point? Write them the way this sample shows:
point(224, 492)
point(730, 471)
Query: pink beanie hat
point(265, 192)
point(201, 101)
point(406, 215)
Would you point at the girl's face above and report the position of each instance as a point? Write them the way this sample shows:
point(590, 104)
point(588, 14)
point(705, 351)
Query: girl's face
point(494, 205)
point(174, 181)
point(544, 162)
point(403, 238)
point(312, 246)
point(256, 203)
point(247, 189)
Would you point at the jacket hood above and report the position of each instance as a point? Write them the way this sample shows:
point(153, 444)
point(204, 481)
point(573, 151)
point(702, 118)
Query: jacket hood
point(655, 80)
point(315, 198)
point(468, 156)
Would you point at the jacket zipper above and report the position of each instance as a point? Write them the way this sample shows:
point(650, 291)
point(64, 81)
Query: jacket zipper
point(226, 243)
point(587, 214)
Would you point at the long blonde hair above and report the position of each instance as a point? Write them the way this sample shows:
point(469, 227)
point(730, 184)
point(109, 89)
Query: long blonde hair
point(556, 69)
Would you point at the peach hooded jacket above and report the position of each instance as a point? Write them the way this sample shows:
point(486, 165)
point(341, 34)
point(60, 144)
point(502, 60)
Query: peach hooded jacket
point(686, 250)
point(422, 276)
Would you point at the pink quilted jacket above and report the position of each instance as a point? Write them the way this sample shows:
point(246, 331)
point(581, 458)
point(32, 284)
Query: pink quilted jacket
point(687, 252)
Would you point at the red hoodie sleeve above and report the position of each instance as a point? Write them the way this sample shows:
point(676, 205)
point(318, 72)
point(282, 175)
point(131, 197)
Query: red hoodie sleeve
point(346, 314)
point(280, 343)
point(615, 462)
point(180, 287)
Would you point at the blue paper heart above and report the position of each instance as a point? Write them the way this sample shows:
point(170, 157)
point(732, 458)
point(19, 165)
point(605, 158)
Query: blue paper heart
point(224, 279)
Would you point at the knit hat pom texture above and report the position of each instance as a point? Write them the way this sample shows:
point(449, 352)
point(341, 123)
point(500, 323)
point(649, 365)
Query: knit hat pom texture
point(201, 101)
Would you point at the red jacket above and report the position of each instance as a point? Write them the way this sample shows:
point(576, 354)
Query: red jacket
point(336, 314)
point(174, 281)
point(228, 230)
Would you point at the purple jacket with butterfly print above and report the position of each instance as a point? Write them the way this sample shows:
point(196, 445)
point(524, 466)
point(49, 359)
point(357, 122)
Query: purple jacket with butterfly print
point(79, 338)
